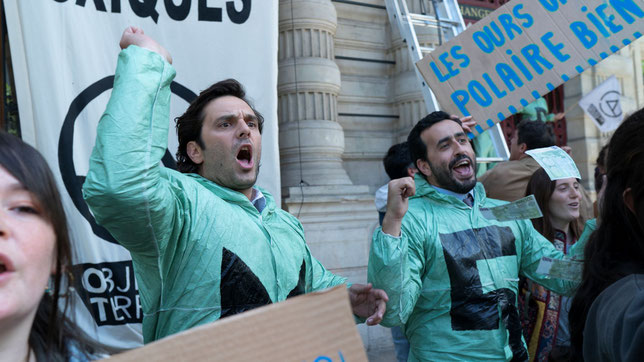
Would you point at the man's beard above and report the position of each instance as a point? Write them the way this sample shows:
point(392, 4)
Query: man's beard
point(446, 181)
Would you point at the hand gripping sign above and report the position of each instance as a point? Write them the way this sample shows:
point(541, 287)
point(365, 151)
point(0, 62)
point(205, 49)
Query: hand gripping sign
point(525, 49)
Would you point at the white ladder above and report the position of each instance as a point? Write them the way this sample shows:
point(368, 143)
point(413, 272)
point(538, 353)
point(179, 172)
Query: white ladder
point(449, 23)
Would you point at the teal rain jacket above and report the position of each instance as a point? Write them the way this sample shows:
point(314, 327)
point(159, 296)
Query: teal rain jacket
point(452, 277)
point(200, 251)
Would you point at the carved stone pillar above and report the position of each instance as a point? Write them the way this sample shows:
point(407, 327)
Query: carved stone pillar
point(311, 140)
point(406, 91)
point(338, 217)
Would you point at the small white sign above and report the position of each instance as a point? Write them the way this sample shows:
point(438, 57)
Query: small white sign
point(603, 105)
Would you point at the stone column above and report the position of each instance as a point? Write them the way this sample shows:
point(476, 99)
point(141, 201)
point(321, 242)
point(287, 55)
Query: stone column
point(406, 88)
point(311, 140)
point(338, 217)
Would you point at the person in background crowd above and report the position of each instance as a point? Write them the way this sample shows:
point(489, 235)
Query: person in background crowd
point(538, 111)
point(35, 257)
point(452, 274)
point(508, 180)
point(545, 317)
point(397, 164)
point(607, 312)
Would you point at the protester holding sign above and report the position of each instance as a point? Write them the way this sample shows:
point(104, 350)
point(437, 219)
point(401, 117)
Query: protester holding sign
point(35, 260)
point(450, 273)
point(607, 313)
point(208, 243)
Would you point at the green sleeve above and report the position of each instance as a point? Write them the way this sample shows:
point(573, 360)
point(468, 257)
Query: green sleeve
point(321, 278)
point(535, 247)
point(124, 187)
point(396, 265)
point(577, 251)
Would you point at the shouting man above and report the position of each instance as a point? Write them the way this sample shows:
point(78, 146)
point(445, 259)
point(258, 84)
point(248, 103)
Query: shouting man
point(451, 274)
point(206, 243)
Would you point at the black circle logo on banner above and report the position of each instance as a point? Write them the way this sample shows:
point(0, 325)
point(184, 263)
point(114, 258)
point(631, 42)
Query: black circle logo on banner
point(73, 182)
point(609, 104)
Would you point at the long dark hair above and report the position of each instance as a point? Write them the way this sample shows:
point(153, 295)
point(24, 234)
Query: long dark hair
point(616, 248)
point(542, 188)
point(51, 332)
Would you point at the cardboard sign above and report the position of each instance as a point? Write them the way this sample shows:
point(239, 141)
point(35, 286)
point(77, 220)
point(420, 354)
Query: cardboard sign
point(312, 327)
point(525, 49)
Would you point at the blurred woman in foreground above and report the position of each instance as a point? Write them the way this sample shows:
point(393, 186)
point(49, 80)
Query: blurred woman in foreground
point(607, 314)
point(35, 261)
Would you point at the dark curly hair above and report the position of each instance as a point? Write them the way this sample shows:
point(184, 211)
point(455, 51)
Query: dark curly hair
point(189, 124)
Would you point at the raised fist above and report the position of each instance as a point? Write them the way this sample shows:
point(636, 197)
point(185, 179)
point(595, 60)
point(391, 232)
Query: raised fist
point(135, 36)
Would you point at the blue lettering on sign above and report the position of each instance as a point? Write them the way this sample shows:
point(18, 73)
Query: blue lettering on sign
point(465, 60)
point(533, 59)
point(460, 99)
point(329, 359)
point(479, 93)
point(508, 76)
point(555, 49)
point(529, 20)
point(587, 37)
point(551, 5)
point(438, 73)
point(626, 9)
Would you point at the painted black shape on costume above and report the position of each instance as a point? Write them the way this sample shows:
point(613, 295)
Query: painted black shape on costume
point(300, 288)
point(241, 290)
point(471, 308)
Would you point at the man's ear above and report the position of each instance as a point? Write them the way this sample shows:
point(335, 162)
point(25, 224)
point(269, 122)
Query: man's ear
point(523, 147)
point(195, 152)
point(627, 195)
point(423, 167)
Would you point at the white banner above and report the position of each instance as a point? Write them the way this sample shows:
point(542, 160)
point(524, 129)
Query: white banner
point(603, 105)
point(64, 56)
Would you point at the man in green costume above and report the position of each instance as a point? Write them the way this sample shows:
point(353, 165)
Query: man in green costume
point(451, 274)
point(206, 243)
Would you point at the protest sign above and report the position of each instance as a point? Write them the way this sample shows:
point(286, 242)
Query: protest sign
point(556, 162)
point(523, 50)
point(603, 105)
point(522, 209)
point(317, 326)
point(64, 55)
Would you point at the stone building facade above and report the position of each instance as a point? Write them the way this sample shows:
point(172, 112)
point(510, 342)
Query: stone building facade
point(347, 92)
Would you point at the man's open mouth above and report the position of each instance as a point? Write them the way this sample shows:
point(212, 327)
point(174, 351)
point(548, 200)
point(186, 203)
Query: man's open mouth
point(462, 167)
point(245, 156)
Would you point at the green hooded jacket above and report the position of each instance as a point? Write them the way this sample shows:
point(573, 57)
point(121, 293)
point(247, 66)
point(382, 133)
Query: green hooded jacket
point(452, 277)
point(200, 251)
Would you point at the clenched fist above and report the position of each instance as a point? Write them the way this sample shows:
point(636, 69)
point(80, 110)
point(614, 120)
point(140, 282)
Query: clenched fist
point(135, 36)
point(397, 203)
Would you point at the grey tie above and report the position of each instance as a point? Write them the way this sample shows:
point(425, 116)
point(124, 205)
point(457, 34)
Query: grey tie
point(469, 200)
